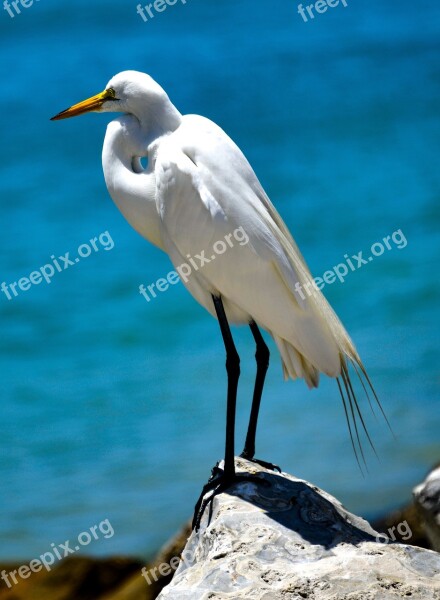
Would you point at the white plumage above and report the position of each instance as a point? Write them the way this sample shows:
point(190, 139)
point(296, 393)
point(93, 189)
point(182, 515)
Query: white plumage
point(198, 187)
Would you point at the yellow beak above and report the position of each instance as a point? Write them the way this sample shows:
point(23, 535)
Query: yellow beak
point(91, 104)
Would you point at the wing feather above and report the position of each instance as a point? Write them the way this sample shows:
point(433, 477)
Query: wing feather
point(199, 166)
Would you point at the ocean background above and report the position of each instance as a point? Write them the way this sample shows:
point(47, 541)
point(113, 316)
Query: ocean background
point(114, 408)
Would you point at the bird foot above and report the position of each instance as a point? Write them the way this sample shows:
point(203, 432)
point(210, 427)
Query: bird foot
point(218, 483)
point(267, 465)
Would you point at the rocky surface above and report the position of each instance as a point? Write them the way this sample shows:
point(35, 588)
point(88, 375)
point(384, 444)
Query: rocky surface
point(427, 501)
point(290, 540)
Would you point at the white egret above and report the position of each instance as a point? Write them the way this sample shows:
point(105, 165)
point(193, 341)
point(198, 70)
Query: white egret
point(197, 189)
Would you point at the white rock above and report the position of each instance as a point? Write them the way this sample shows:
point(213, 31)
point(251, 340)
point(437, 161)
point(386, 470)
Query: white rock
point(291, 541)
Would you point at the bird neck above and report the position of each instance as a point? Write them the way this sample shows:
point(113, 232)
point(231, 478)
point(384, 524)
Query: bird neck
point(132, 189)
point(158, 118)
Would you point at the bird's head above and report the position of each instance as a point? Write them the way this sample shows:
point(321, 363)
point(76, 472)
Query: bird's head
point(128, 92)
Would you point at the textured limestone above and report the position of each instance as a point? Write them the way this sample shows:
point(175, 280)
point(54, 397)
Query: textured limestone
point(291, 540)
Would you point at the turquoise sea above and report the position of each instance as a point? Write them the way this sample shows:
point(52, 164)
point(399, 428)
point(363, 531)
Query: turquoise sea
point(113, 407)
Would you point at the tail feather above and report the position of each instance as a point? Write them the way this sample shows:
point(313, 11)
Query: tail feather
point(365, 374)
point(347, 380)
point(348, 395)
point(295, 365)
point(349, 425)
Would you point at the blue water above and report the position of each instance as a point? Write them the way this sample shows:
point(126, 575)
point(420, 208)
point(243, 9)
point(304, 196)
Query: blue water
point(113, 407)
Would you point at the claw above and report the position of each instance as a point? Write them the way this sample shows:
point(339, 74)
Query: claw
point(218, 483)
point(267, 465)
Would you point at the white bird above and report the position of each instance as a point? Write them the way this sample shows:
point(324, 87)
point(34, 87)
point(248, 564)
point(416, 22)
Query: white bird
point(198, 189)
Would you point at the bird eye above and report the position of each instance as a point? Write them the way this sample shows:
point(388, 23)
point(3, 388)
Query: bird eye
point(111, 94)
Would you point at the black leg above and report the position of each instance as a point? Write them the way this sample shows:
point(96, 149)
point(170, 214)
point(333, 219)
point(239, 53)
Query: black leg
point(262, 355)
point(221, 480)
point(233, 370)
